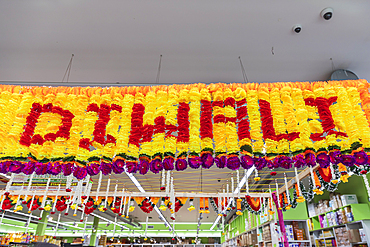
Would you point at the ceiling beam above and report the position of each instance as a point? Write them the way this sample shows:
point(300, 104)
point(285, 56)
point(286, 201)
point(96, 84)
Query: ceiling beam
point(301, 175)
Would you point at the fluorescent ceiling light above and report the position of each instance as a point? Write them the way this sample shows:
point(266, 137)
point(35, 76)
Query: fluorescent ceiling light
point(114, 223)
point(236, 191)
point(52, 221)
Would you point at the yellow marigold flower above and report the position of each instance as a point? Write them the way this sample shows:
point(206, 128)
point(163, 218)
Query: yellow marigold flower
point(318, 192)
point(74, 206)
point(257, 179)
point(191, 208)
point(300, 199)
point(163, 207)
point(131, 209)
point(344, 178)
point(47, 208)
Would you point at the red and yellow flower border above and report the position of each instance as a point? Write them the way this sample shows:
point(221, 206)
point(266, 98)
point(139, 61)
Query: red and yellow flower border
point(143, 129)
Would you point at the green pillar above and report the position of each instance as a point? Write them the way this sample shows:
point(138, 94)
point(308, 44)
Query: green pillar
point(41, 226)
point(94, 231)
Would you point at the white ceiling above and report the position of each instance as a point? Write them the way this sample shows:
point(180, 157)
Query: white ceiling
point(120, 41)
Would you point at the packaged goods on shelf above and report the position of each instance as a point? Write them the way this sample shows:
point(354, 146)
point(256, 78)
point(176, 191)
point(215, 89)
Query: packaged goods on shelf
point(311, 208)
point(330, 243)
point(289, 232)
point(323, 221)
point(310, 224)
point(349, 199)
point(362, 235)
point(328, 234)
point(349, 214)
point(266, 233)
point(341, 234)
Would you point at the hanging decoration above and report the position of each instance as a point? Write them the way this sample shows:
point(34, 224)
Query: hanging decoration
point(287, 193)
point(366, 181)
point(239, 206)
point(254, 204)
point(146, 204)
point(191, 204)
point(140, 129)
point(324, 175)
point(307, 194)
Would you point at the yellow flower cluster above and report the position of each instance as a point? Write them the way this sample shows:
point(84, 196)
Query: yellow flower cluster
point(194, 118)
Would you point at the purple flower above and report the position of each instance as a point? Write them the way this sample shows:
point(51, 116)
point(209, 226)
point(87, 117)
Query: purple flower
point(270, 164)
point(246, 161)
point(4, 167)
point(207, 160)
point(194, 162)
point(41, 168)
point(168, 163)
point(131, 166)
point(299, 161)
point(323, 159)
point(16, 167)
point(54, 168)
point(156, 166)
point(221, 161)
point(80, 172)
point(143, 166)
point(93, 168)
point(259, 163)
point(348, 160)
point(285, 162)
point(335, 157)
point(233, 163)
point(105, 168)
point(360, 158)
point(118, 166)
point(68, 168)
point(181, 164)
point(310, 159)
point(29, 168)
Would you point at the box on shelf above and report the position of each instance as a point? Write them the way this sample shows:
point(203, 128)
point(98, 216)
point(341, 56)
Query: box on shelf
point(349, 199)
point(289, 232)
point(354, 236)
point(362, 235)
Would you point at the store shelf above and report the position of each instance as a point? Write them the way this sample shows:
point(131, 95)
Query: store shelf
point(325, 238)
point(299, 241)
point(330, 227)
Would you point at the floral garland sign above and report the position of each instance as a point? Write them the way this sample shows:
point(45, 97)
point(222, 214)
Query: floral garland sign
point(83, 130)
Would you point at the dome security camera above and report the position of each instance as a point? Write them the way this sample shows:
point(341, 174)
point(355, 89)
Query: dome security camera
point(297, 28)
point(327, 13)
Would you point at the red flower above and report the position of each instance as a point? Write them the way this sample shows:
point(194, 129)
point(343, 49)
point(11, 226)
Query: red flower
point(160, 125)
point(183, 122)
point(116, 108)
point(273, 173)
point(136, 124)
point(84, 143)
point(93, 107)
point(111, 139)
point(50, 137)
